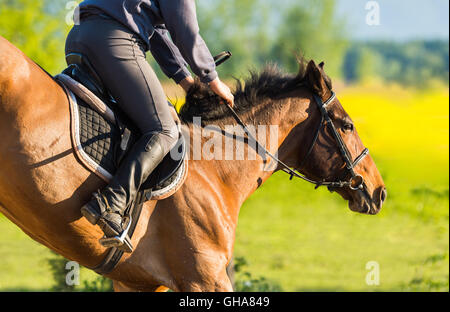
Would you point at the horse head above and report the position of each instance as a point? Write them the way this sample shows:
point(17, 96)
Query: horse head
point(333, 152)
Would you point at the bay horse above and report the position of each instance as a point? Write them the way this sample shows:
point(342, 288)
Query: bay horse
point(185, 242)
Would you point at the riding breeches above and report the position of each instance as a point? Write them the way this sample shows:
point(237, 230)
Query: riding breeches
point(118, 56)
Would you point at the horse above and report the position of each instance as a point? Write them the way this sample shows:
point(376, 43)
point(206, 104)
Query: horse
point(184, 242)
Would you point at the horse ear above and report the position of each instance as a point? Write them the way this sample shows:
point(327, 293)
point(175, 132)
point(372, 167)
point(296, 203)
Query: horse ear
point(316, 79)
point(321, 65)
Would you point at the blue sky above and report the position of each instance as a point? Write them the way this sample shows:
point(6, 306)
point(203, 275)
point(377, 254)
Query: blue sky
point(399, 19)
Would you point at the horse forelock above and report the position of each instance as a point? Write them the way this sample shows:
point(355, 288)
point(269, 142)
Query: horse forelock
point(259, 87)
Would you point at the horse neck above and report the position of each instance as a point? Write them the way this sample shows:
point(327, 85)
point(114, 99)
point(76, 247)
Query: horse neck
point(240, 178)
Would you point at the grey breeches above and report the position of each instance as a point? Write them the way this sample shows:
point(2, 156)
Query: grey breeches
point(118, 56)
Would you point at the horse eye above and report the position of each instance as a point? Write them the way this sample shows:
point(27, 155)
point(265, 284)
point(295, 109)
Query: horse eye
point(348, 127)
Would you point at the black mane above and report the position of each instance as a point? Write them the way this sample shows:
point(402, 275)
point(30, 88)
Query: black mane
point(269, 83)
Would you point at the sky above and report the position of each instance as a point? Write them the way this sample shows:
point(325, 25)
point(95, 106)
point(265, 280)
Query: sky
point(398, 19)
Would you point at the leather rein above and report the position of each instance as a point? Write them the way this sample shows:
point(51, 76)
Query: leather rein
point(356, 181)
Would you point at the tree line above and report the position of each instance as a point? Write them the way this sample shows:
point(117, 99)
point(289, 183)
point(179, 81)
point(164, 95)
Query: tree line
point(257, 32)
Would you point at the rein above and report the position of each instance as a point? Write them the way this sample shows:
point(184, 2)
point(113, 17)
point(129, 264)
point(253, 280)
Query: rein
point(356, 182)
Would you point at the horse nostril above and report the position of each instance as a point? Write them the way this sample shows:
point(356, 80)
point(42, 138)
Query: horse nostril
point(383, 195)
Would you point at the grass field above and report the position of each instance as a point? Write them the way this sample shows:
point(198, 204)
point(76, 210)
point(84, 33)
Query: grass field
point(306, 240)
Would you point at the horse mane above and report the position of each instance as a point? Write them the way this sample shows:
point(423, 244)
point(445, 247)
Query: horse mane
point(269, 83)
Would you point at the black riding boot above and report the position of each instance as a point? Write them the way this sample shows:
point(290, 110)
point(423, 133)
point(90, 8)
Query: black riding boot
point(108, 206)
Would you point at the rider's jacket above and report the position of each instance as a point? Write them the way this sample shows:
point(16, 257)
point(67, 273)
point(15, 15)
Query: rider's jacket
point(152, 20)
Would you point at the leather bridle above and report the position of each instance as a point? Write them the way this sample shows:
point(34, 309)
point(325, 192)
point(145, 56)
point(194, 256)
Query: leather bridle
point(356, 181)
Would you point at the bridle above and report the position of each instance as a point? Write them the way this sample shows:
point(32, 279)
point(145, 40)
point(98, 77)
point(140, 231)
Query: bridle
point(356, 181)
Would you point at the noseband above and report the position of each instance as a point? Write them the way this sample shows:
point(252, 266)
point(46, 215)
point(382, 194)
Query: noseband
point(356, 181)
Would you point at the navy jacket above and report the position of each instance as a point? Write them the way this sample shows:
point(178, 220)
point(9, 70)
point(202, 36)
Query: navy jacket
point(153, 20)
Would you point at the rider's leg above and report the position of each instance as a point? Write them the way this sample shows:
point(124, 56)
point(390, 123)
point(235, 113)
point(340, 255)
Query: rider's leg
point(119, 58)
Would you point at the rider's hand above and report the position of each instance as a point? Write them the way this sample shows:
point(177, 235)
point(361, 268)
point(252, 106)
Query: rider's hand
point(222, 90)
point(187, 83)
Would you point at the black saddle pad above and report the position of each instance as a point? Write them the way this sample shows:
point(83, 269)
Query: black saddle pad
point(99, 138)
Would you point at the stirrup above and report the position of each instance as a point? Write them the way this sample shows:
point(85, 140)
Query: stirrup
point(122, 241)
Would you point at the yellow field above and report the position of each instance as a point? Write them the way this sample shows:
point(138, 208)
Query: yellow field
point(401, 121)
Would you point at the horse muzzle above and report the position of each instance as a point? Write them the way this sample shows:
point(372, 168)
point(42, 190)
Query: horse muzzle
point(362, 203)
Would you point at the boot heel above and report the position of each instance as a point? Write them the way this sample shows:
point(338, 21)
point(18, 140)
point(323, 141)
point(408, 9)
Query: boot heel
point(91, 215)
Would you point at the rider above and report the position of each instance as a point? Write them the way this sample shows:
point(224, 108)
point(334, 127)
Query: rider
point(115, 35)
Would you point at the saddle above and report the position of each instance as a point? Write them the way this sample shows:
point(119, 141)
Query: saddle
point(104, 134)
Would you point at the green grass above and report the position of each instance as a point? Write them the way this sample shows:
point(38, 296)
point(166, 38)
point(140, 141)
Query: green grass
point(24, 263)
point(310, 241)
point(298, 239)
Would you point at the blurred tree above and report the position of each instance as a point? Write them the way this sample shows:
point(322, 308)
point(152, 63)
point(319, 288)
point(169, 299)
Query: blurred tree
point(314, 30)
point(360, 64)
point(416, 63)
point(37, 28)
point(258, 31)
point(240, 26)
